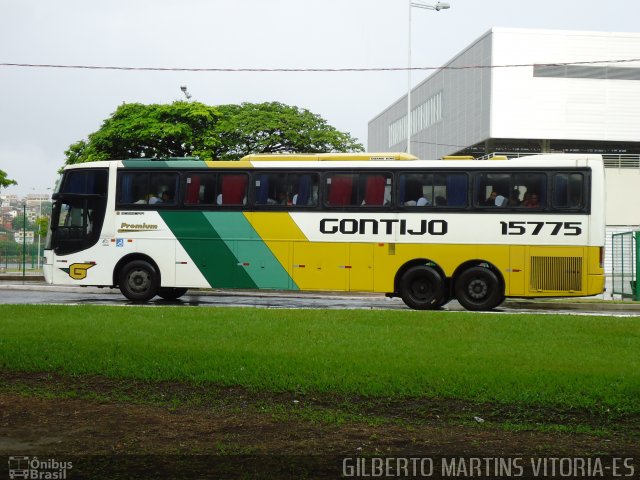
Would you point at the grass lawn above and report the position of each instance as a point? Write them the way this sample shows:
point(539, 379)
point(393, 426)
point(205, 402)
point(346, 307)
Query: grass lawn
point(552, 361)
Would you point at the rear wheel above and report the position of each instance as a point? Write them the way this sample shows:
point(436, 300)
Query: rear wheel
point(478, 289)
point(422, 288)
point(446, 297)
point(172, 293)
point(139, 281)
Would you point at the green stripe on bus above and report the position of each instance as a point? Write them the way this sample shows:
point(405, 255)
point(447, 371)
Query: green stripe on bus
point(227, 250)
point(252, 253)
point(210, 253)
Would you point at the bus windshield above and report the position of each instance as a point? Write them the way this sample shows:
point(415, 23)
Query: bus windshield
point(78, 210)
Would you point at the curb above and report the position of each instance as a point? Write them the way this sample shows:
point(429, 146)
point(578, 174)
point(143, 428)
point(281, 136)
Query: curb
point(36, 281)
point(582, 306)
point(22, 278)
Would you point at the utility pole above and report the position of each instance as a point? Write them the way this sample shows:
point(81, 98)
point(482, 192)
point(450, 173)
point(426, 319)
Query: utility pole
point(24, 239)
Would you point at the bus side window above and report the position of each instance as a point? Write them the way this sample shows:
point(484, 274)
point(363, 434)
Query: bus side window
point(272, 189)
point(533, 188)
point(493, 189)
point(450, 189)
point(415, 190)
point(339, 189)
point(306, 190)
point(192, 195)
point(147, 188)
point(568, 190)
point(377, 189)
point(164, 187)
point(134, 187)
point(233, 189)
point(200, 189)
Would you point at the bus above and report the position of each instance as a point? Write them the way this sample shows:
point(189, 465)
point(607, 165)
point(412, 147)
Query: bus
point(427, 231)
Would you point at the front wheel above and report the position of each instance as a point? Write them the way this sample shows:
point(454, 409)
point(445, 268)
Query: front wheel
point(139, 281)
point(422, 288)
point(479, 289)
point(171, 293)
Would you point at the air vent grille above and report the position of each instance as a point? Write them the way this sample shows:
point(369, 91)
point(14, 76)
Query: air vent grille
point(556, 274)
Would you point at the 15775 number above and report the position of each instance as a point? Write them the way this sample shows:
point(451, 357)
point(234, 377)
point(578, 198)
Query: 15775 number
point(534, 228)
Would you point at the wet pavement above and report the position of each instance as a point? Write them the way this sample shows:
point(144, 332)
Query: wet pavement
point(35, 291)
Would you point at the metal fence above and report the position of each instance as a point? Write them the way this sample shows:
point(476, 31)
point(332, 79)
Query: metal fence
point(21, 245)
point(626, 265)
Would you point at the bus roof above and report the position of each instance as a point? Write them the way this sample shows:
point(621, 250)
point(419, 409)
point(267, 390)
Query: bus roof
point(349, 160)
point(354, 156)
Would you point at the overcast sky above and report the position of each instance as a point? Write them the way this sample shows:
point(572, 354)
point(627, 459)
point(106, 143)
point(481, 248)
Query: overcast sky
point(43, 111)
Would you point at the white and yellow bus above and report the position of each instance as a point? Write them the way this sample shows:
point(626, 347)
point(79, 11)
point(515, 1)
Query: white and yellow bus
point(425, 231)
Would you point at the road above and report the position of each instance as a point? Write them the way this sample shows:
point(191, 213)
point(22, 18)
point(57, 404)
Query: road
point(14, 292)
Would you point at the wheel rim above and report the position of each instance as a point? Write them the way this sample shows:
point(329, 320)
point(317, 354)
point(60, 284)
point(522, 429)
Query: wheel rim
point(139, 280)
point(421, 289)
point(477, 289)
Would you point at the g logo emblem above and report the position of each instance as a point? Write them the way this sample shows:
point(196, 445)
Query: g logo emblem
point(78, 271)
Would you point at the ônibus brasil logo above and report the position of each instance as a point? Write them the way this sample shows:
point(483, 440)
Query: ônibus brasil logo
point(34, 468)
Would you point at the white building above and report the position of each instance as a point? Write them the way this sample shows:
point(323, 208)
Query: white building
point(523, 90)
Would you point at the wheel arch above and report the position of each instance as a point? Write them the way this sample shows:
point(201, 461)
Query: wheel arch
point(131, 257)
point(415, 263)
point(478, 263)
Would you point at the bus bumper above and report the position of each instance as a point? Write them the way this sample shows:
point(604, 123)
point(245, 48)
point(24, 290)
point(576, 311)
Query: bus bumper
point(47, 267)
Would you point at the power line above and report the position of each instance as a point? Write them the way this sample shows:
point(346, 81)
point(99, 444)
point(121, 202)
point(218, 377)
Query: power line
point(304, 70)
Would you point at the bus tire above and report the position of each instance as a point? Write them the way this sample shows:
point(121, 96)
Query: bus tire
point(446, 298)
point(171, 293)
point(478, 289)
point(422, 288)
point(139, 281)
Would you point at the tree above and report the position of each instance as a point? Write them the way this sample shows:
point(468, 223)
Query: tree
point(211, 133)
point(4, 181)
point(136, 130)
point(277, 128)
point(41, 226)
point(20, 222)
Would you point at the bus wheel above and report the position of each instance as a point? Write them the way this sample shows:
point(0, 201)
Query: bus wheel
point(139, 281)
point(446, 298)
point(171, 293)
point(422, 288)
point(478, 289)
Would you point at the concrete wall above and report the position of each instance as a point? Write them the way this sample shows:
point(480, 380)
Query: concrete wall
point(623, 196)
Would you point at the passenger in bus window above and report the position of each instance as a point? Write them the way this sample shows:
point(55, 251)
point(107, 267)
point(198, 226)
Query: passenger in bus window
point(491, 199)
point(533, 201)
point(415, 194)
point(440, 200)
point(283, 198)
point(514, 199)
point(148, 199)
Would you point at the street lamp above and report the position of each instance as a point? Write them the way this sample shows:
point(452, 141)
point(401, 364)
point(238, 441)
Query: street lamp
point(437, 7)
point(186, 93)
